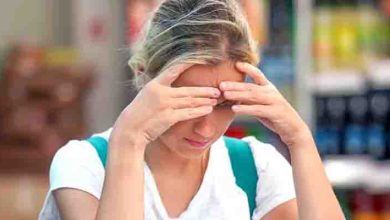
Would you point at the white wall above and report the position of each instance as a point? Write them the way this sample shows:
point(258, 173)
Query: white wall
point(105, 101)
point(23, 20)
point(61, 23)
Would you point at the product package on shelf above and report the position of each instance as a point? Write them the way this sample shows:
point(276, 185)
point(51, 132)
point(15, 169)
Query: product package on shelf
point(351, 77)
point(354, 124)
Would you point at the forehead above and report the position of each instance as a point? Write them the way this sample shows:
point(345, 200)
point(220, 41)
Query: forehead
point(209, 75)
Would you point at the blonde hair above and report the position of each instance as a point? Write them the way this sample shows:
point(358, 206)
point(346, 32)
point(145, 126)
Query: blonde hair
point(192, 31)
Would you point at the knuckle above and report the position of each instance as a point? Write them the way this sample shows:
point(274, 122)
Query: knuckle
point(190, 102)
point(200, 102)
point(259, 111)
point(151, 88)
point(253, 98)
point(161, 102)
point(253, 87)
point(272, 87)
point(149, 85)
point(187, 114)
point(181, 91)
point(196, 102)
point(190, 113)
point(228, 95)
point(277, 100)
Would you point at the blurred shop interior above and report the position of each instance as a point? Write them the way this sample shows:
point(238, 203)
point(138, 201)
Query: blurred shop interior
point(64, 75)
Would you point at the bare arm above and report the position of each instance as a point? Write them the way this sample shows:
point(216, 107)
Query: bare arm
point(286, 211)
point(75, 204)
point(122, 195)
point(315, 197)
point(157, 107)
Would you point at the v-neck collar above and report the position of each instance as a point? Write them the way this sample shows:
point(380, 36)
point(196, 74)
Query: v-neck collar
point(195, 202)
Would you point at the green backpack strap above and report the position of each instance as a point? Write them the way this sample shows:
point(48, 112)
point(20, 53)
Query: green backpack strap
point(100, 144)
point(241, 159)
point(244, 168)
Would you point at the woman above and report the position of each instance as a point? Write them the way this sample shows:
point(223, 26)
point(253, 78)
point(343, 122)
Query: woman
point(166, 156)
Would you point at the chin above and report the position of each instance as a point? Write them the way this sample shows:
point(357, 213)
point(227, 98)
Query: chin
point(194, 154)
point(188, 151)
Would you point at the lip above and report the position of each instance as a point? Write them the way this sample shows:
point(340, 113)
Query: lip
point(197, 144)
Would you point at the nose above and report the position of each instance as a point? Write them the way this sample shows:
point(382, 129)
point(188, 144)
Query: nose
point(205, 126)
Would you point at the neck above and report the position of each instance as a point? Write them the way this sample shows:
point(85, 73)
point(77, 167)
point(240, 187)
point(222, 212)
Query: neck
point(161, 159)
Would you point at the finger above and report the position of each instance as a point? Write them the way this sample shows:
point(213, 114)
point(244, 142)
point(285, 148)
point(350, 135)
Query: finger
point(249, 97)
point(208, 92)
point(256, 74)
point(237, 86)
point(191, 113)
point(168, 76)
point(261, 111)
point(191, 102)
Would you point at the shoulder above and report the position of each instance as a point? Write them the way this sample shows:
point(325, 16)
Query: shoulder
point(265, 154)
point(275, 185)
point(78, 151)
point(77, 165)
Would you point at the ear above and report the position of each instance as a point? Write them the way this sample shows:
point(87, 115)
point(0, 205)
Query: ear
point(140, 71)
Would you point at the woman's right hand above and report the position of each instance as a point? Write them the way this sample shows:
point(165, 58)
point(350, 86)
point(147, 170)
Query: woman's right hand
point(158, 106)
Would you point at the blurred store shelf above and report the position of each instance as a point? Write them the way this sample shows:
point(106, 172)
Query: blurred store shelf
point(358, 172)
point(336, 82)
point(379, 74)
point(42, 100)
point(352, 81)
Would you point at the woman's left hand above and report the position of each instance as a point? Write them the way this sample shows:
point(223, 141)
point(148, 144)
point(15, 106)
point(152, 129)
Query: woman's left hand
point(262, 100)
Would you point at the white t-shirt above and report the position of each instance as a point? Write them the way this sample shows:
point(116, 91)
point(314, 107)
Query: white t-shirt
point(77, 165)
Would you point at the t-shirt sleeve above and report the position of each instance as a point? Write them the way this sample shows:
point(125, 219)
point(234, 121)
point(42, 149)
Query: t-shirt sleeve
point(77, 165)
point(276, 184)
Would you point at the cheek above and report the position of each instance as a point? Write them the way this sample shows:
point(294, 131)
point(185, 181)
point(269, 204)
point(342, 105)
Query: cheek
point(177, 130)
point(224, 118)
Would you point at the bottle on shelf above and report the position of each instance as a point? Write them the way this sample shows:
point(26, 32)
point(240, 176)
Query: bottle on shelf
point(379, 107)
point(336, 111)
point(355, 138)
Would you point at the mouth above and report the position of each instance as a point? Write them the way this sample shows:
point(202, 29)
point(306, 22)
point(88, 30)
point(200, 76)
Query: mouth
point(196, 143)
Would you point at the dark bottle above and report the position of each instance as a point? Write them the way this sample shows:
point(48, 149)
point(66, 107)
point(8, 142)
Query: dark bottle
point(354, 138)
point(376, 138)
point(321, 130)
point(335, 109)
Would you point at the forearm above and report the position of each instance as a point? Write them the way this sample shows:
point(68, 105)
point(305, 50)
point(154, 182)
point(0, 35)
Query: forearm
point(315, 196)
point(123, 190)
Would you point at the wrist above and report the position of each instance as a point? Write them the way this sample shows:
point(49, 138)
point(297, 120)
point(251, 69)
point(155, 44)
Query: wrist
point(302, 138)
point(128, 141)
point(126, 153)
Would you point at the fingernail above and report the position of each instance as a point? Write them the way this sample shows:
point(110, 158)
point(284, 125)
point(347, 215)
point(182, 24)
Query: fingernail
point(224, 85)
point(235, 107)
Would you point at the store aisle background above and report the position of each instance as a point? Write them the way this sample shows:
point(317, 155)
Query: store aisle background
point(64, 34)
point(64, 74)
